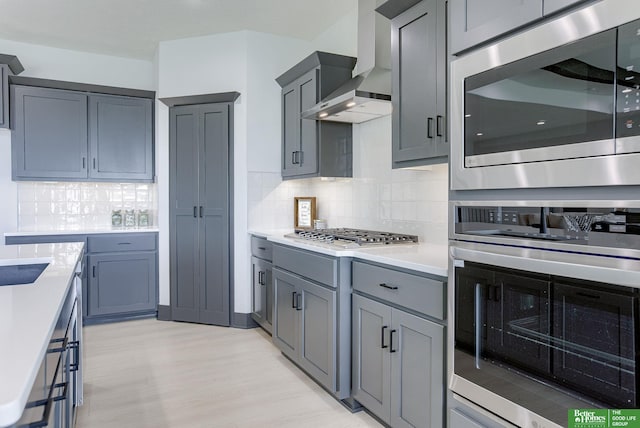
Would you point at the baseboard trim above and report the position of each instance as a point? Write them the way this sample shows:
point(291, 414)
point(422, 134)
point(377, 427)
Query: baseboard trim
point(239, 320)
point(164, 313)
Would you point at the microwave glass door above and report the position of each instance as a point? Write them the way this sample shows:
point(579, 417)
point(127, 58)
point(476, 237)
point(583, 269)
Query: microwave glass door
point(547, 343)
point(554, 105)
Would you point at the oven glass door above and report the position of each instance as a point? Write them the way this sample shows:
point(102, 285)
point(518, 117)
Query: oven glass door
point(554, 105)
point(544, 342)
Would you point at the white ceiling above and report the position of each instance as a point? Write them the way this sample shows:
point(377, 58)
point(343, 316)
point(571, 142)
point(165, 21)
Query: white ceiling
point(133, 28)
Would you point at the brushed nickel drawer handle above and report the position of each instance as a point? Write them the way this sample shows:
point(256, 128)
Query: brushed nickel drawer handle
point(388, 287)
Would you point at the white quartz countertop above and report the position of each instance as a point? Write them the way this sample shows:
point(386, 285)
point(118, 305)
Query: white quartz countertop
point(28, 314)
point(79, 231)
point(422, 257)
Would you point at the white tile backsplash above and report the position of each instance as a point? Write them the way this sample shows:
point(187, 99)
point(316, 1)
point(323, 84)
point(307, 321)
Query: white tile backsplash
point(378, 197)
point(44, 205)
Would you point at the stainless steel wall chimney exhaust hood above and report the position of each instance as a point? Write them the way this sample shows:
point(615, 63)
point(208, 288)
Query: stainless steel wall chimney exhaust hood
point(366, 96)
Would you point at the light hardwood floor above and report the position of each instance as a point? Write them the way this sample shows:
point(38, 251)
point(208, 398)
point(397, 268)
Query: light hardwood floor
point(159, 374)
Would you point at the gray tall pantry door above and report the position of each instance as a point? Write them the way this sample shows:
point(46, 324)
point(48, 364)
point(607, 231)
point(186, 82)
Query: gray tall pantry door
point(199, 192)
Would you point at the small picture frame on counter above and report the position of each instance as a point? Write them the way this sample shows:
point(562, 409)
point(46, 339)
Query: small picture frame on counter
point(304, 212)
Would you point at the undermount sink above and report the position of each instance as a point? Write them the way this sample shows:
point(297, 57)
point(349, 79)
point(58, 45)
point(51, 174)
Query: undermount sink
point(19, 274)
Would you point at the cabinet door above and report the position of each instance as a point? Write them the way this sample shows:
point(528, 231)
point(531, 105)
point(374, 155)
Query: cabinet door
point(551, 6)
point(120, 138)
point(121, 282)
point(268, 296)
point(371, 384)
point(50, 135)
point(4, 96)
point(415, 83)
point(285, 316)
point(259, 290)
point(308, 157)
point(476, 21)
point(183, 211)
point(417, 372)
point(318, 333)
point(213, 214)
point(290, 129)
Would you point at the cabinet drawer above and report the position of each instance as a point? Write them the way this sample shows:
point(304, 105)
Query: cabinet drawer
point(414, 292)
point(261, 248)
point(320, 268)
point(122, 242)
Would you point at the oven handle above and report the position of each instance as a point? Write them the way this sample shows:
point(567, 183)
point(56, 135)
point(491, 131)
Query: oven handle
point(580, 266)
point(478, 316)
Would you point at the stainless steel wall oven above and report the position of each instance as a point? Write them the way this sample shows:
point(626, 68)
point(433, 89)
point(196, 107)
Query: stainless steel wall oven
point(545, 300)
point(555, 106)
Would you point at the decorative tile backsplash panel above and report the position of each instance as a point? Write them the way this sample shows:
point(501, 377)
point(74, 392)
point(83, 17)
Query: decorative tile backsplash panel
point(378, 197)
point(43, 205)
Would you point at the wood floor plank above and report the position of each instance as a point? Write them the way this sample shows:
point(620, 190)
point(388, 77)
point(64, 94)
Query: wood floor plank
point(159, 374)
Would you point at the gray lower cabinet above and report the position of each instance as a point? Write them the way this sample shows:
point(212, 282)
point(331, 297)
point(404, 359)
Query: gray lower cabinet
point(79, 136)
point(419, 80)
point(199, 194)
point(120, 138)
point(312, 315)
point(305, 325)
point(262, 282)
point(313, 148)
point(398, 356)
point(398, 364)
point(121, 273)
point(121, 283)
point(4, 96)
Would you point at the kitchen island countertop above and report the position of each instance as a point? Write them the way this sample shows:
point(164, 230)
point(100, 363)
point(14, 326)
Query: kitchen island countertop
point(28, 314)
point(423, 257)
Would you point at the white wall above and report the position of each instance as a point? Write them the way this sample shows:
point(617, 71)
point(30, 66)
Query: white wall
point(62, 64)
point(248, 63)
point(377, 197)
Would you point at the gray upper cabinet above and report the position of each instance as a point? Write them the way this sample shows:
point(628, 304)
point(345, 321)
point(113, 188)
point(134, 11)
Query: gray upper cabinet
point(551, 6)
point(49, 140)
point(9, 65)
point(4, 96)
point(476, 21)
point(419, 80)
point(311, 148)
point(120, 138)
point(78, 136)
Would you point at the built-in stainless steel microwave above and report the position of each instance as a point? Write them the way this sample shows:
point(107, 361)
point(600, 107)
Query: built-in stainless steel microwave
point(554, 106)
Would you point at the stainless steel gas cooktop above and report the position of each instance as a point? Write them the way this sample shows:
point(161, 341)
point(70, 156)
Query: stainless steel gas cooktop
point(352, 238)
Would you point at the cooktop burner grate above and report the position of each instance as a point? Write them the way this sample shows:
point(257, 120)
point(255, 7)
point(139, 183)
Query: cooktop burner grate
point(353, 237)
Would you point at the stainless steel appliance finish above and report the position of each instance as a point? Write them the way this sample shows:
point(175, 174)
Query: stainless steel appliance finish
point(367, 95)
point(605, 161)
point(352, 238)
point(518, 272)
